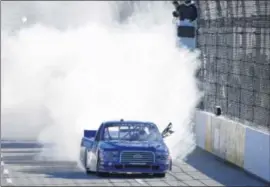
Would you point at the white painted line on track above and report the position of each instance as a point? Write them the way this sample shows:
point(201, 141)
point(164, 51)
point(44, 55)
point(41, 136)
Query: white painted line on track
point(5, 172)
point(141, 182)
point(9, 181)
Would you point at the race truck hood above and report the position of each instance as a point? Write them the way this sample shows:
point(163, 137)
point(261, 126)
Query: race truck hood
point(134, 145)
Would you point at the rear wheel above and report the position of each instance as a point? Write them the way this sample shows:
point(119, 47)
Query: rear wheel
point(160, 175)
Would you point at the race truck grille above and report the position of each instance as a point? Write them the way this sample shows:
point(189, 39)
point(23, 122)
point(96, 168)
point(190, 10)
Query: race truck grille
point(137, 157)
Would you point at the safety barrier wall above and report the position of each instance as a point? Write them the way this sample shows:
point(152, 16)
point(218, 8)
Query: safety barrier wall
point(236, 143)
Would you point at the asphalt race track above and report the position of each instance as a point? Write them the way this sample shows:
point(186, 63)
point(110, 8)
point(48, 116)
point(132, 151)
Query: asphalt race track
point(19, 168)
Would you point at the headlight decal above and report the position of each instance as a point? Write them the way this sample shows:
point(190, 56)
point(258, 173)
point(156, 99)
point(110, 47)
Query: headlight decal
point(109, 155)
point(162, 156)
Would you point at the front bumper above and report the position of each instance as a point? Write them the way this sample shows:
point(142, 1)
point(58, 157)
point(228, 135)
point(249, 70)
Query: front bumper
point(116, 167)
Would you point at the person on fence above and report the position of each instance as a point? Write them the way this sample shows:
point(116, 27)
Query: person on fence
point(186, 15)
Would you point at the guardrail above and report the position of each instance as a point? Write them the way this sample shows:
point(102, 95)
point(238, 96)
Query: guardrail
point(234, 142)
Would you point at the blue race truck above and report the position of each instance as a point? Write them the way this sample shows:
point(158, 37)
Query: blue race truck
point(126, 147)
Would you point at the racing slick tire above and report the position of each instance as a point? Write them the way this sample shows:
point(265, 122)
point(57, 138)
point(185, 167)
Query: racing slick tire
point(87, 170)
point(160, 175)
point(98, 173)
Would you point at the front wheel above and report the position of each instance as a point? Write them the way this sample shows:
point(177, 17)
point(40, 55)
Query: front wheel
point(160, 175)
point(87, 170)
point(100, 174)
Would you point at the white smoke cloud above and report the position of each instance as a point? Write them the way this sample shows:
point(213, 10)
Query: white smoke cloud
point(72, 65)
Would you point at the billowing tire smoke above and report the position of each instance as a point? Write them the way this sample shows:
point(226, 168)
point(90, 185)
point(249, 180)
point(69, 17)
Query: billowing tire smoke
point(67, 66)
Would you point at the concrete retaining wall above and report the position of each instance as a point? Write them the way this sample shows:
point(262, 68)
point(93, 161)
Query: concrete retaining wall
point(241, 145)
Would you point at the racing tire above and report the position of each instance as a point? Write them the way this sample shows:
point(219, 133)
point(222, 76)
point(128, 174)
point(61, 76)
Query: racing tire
point(98, 173)
point(87, 170)
point(160, 175)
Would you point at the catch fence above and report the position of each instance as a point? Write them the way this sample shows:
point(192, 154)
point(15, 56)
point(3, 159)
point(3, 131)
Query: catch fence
point(234, 39)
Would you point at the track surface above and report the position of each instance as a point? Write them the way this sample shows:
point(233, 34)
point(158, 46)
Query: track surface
point(19, 167)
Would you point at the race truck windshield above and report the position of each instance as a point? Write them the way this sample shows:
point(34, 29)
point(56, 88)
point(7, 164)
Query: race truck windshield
point(131, 132)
